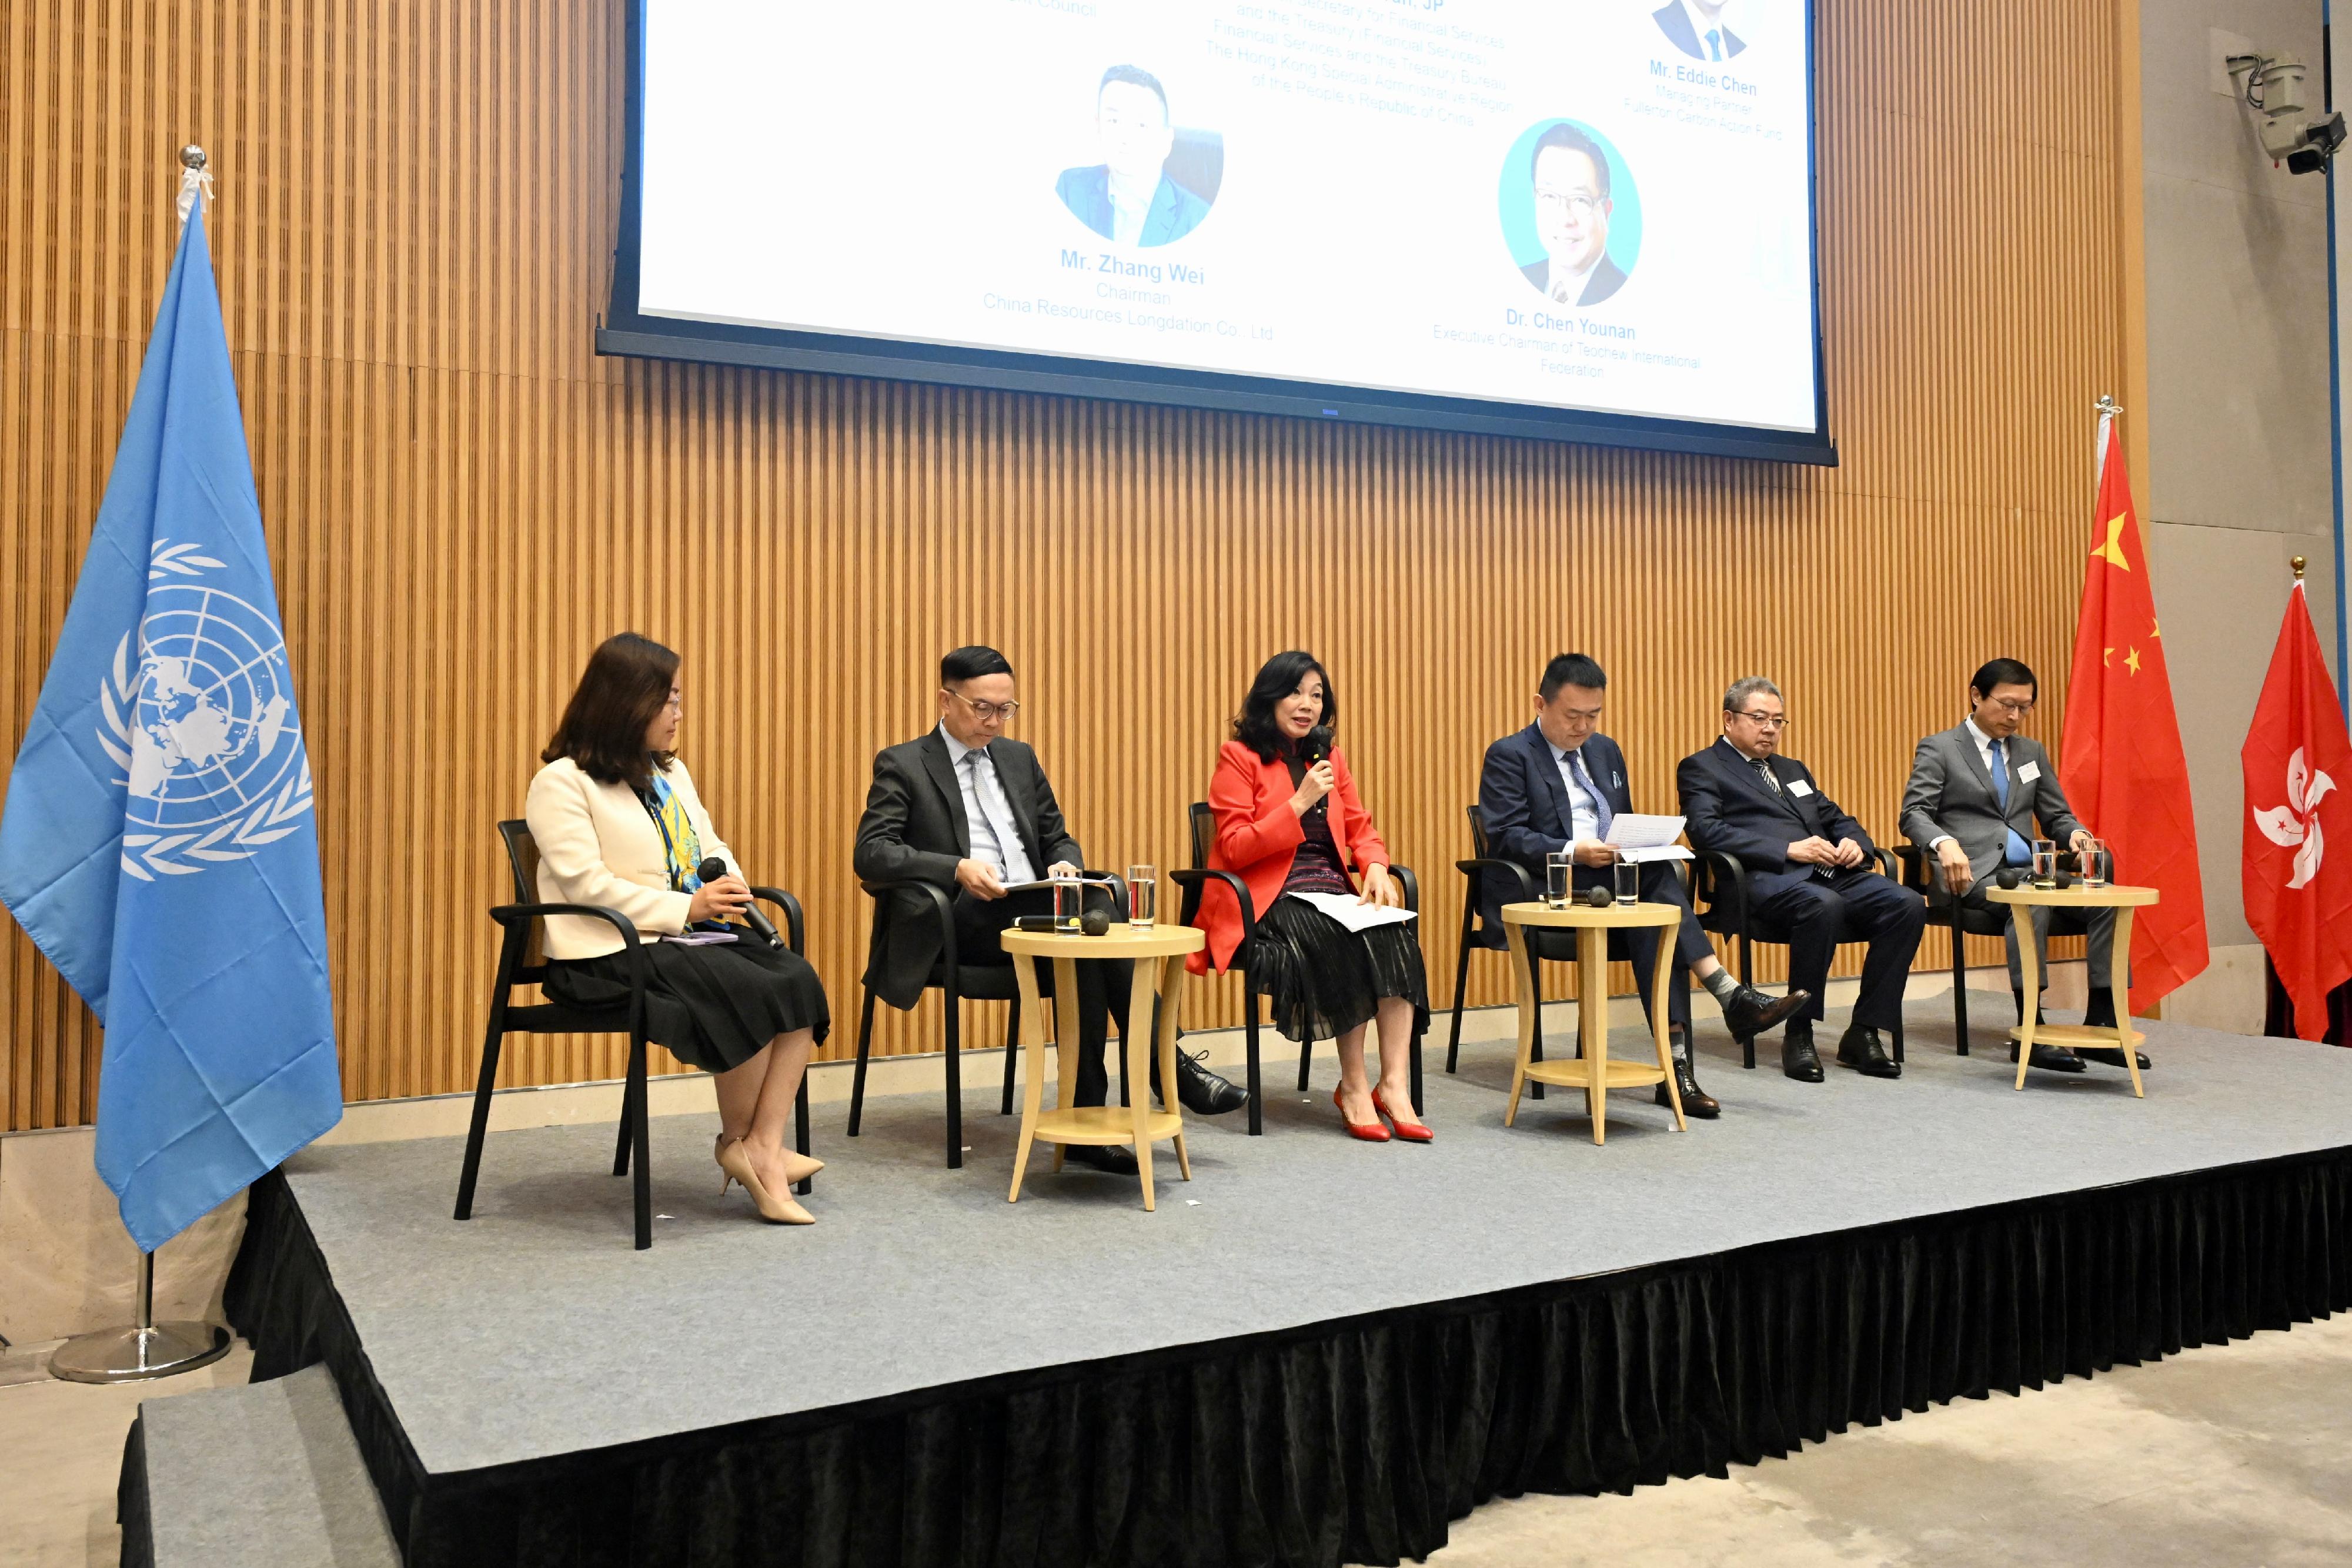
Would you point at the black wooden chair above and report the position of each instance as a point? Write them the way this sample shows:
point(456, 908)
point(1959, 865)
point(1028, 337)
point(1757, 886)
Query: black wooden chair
point(1719, 889)
point(1545, 945)
point(959, 983)
point(1202, 822)
point(522, 962)
point(1921, 874)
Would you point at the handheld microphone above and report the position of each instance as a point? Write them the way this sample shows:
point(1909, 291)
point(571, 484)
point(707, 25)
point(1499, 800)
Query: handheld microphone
point(1314, 749)
point(1095, 923)
point(1599, 897)
point(711, 869)
point(2007, 877)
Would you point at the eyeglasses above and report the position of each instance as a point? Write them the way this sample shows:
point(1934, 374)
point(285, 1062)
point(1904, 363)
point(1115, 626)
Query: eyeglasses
point(677, 699)
point(2013, 707)
point(988, 713)
point(1767, 720)
point(1576, 204)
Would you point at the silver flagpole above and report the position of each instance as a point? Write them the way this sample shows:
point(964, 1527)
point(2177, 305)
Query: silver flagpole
point(148, 1349)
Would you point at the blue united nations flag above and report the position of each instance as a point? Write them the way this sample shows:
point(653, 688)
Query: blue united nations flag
point(158, 841)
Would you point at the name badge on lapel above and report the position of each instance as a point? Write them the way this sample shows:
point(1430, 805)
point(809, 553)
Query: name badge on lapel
point(2029, 773)
point(1799, 789)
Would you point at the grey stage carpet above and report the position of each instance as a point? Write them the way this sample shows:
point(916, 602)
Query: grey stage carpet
point(535, 1330)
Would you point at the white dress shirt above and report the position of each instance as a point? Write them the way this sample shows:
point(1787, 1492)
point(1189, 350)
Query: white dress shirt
point(1701, 26)
point(1584, 820)
point(988, 813)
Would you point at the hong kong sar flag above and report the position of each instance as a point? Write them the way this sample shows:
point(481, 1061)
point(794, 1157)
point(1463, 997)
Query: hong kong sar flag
point(2298, 763)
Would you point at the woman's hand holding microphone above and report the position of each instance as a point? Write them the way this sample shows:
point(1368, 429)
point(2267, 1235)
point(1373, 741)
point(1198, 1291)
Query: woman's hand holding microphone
point(1319, 781)
point(725, 898)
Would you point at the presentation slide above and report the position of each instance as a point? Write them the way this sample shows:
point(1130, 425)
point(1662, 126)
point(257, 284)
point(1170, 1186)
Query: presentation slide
point(1601, 206)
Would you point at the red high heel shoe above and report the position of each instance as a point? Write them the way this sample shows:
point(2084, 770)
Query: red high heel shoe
point(1371, 1132)
point(1411, 1132)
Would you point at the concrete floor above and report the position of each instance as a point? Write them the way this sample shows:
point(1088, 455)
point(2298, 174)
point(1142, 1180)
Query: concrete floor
point(2232, 1455)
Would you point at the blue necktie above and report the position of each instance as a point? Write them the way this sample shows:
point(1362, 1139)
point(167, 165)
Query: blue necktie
point(1714, 45)
point(2019, 851)
point(1602, 814)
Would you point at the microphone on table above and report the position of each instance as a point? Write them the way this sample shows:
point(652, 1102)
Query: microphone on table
point(1599, 897)
point(711, 869)
point(2008, 876)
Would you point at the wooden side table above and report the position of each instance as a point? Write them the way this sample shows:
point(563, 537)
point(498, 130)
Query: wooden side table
point(2122, 1037)
point(1593, 1072)
point(1159, 954)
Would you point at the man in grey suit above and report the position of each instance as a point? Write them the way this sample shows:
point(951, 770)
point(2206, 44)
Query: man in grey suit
point(970, 811)
point(1976, 794)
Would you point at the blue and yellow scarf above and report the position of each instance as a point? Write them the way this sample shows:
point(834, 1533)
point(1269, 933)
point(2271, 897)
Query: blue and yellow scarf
point(682, 846)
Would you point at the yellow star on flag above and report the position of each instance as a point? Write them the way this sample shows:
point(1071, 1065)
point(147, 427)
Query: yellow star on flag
point(2112, 551)
point(2154, 628)
point(2107, 658)
point(2133, 661)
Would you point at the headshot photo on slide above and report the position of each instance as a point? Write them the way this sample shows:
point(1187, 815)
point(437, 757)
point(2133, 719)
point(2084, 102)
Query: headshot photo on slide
point(1700, 28)
point(1571, 214)
point(1155, 180)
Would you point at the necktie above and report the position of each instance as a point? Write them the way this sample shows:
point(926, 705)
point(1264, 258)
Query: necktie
point(1000, 825)
point(1602, 814)
point(2017, 852)
point(1764, 771)
point(1714, 45)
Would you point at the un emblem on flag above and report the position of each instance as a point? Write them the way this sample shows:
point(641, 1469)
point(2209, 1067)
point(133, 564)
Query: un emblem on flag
point(204, 728)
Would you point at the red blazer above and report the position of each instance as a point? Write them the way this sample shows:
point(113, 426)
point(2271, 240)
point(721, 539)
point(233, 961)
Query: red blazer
point(1257, 835)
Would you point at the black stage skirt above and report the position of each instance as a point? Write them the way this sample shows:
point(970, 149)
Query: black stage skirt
point(1325, 980)
point(714, 1007)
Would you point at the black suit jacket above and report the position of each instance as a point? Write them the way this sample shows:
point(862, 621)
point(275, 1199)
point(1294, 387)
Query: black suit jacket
point(1525, 806)
point(1605, 278)
point(1729, 809)
point(913, 830)
point(1675, 23)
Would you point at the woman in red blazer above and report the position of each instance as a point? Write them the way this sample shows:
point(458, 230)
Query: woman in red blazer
point(1290, 823)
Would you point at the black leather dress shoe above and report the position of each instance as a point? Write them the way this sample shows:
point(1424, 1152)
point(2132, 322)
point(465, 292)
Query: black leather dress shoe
point(1115, 1159)
point(1696, 1102)
point(1748, 1013)
point(2110, 1056)
point(2051, 1058)
point(1202, 1093)
point(1859, 1049)
point(1799, 1059)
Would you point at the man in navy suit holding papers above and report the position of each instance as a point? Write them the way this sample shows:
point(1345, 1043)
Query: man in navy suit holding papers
point(1557, 785)
point(1811, 875)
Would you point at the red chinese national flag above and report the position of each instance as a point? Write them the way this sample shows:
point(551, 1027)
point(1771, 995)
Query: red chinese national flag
point(2298, 763)
point(2120, 757)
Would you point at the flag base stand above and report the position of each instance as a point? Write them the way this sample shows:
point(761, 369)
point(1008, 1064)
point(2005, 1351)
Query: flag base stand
point(146, 1350)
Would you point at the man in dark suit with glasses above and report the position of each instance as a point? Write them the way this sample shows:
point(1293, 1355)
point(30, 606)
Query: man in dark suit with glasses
point(970, 811)
point(1811, 876)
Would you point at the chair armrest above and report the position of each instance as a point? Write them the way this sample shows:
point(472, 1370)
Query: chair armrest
point(1403, 874)
point(1711, 869)
point(1121, 899)
point(793, 920)
point(1194, 883)
point(940, 907)
point(516, 917)
point(1886, 865)
point(1471, 868)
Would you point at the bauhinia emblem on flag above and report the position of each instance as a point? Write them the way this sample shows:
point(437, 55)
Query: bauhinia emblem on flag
point(2120, 755)
point(158, 843)
point(2298, 897)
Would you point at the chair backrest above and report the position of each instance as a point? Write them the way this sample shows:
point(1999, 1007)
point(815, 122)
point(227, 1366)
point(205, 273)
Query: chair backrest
point(1204, 827)
point(523, 860)
point(1478, 833)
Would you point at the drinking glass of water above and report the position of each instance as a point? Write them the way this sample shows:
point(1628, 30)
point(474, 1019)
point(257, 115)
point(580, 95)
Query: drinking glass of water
point(1143, 896)
point(1558, 870)
point(2099, 863)
point(1629, 882)
point(1069, 902)
point(2046, 862)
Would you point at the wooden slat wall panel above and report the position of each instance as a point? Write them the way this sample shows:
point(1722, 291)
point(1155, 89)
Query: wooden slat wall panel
point(415, 236)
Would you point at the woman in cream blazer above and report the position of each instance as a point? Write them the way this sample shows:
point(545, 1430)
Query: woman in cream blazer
point(619, 823)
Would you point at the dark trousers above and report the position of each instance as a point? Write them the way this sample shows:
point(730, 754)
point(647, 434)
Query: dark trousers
point(1102, 987)
point(1819, 913)
point(1659, 885)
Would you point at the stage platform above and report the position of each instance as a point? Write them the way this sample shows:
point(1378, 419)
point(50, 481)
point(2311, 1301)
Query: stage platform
point(1316, 1352)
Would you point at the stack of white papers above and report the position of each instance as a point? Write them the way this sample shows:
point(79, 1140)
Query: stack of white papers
point(1355, 917)
point(1639, 838)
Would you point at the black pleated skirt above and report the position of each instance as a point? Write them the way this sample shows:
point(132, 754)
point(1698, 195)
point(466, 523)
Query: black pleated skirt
point(1324, 979)
point(713, 1007)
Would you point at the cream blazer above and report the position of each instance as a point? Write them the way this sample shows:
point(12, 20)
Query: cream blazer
point(597, 844)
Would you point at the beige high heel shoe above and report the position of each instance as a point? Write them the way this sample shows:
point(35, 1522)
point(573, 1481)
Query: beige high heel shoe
point(737, 1163)
point(798, 1166)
